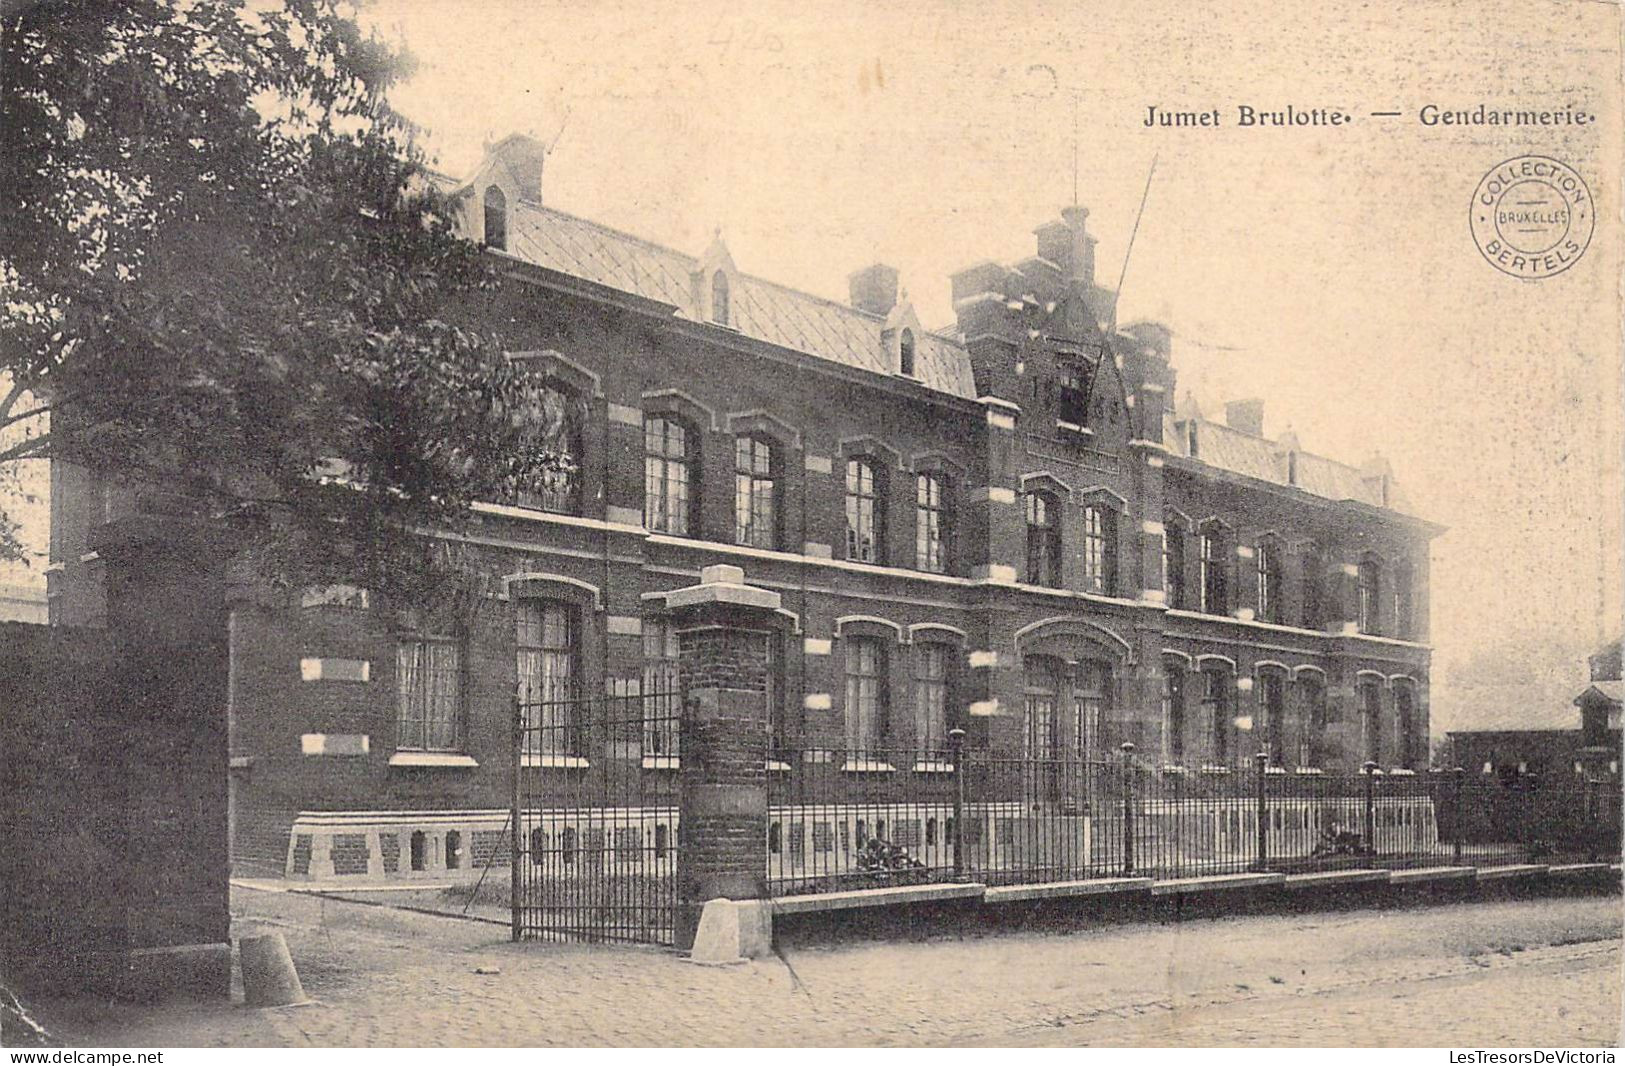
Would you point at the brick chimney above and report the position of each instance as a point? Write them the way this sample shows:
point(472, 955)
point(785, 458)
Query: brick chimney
point(1245, 415)
point(523, 156)
point(874, 289)
point(1068, 245)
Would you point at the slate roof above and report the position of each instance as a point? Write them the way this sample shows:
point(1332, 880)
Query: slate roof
point(761, 309)
point(1259, 457)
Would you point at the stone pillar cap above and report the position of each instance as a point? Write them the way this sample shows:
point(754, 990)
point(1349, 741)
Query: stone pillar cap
point(723, 584)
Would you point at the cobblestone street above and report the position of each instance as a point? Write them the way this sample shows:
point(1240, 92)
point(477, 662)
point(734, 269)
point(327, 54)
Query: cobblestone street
point(1540, 972)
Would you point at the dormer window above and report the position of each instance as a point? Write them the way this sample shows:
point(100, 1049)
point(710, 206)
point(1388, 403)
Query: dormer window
point(905, 350)
point(1072, 402)
point(1190, 440)
point(496, 219)
point(1291, 468)
point(719, 298)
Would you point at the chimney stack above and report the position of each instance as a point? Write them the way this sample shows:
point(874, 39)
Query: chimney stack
point(1245, 415)
point(874, 289)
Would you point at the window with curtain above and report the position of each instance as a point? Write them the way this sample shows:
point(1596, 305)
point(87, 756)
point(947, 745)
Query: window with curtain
point(1267, 560)
point(1042, 688)
point(546, 639)
point(1043, 540)
point(930, 524)
point(667, 474)
point(755, 493)
point(428, 682)
point(865, 694)
point(865, 513)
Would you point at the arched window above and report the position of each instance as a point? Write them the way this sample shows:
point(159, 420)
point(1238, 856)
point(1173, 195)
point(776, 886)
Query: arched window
point(905, 349)
point(756, 518)
point(496, 218)
point(1043, 540)
point(930, 524)
point(1371, 721)
point(865, 694)
point(1314, 584)
point(1099, 550)
point(719, 298)
point(1216, 709)
point(1173, 565)
point(667, 474)
point(547, 641)
point(1406, 755)
point(865, 511)
point(1267, 558)
point(1215, 588)
point(1312, 711)
point(1370, 589)
point(1404, 602)
point(558, 435)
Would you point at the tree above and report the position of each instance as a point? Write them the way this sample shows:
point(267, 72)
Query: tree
point(227, 274)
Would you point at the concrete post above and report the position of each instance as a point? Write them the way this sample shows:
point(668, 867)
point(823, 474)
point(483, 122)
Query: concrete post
point(722, 630)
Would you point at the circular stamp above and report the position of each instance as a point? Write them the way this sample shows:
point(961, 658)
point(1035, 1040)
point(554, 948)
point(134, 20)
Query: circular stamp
point(1532, 217)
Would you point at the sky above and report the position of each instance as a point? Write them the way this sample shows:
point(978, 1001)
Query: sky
point(1330, 271)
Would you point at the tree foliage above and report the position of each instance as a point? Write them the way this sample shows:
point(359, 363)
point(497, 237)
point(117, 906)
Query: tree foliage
point(227, 272)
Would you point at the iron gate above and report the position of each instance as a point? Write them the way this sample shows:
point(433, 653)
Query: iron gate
point(595, 816)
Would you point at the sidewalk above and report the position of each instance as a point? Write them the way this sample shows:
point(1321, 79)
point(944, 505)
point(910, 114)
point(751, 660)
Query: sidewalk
point(386, 977)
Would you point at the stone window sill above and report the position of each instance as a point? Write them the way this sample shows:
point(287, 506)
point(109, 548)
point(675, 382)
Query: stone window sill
point(439, 759)
point(563, 762)
point(1400, 772)
point(867, 766)
point(778, 766)
point(1309, 770)
point(662, 762)
point(1073, 427)
point(1215, 769)
point(933, 766)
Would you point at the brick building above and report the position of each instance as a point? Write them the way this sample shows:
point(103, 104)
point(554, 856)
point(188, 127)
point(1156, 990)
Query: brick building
point(1003, 524)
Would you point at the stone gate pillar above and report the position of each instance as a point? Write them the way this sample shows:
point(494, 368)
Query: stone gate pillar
point(723, 627)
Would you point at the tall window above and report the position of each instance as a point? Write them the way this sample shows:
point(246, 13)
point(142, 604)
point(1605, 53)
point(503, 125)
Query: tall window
point(755, 494)
point(1173, 565)
point(1268, 562)
point(1405, 754)
point(662, 688)
point(1216, 709)
point(496, 218)
point(557, 488)
point(1173, 716)
point(1072, 401)
point(719, 298)
point(1091, 697)
point(428, 682)
point(930, 524)
point(1369, 588)
point(1043, 540)
point(1371, 721)
point(1314, 596)
point(1272, 709)
point(546, 639)
point(905, 351)
point(865, 694)
point(931, 697)
point(1311, 741)
point(864, 511)
point(1042, 688)
point(1099, 550)
point(1215, 594)
point(1404, 605)
point(666, 476)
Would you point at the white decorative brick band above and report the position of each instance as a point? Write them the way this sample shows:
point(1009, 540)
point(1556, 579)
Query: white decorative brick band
point(334, 744)
point(994, 494)
point(819, 464)
point(624, 516)
point(1246, 614)
point(983, 660)
point(996, 572)
point(1350, 629)
point(317, 669)
point(817, 646)
point(1351, 569)
point(623, 415)
point(1150, 528)
point(1244, 684)
point(625, 625)
point(1153, 461)
point(817, 701)
point(816, 550)
point(1128, 401)
point(984, 709)
point(1244, 551)
point(1152, 386)
point(1000, 421)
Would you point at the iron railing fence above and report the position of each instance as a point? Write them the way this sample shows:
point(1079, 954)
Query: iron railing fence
point(1034, 818)
point(594, 817)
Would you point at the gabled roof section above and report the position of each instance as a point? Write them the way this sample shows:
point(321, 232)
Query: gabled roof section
point(760, 309)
